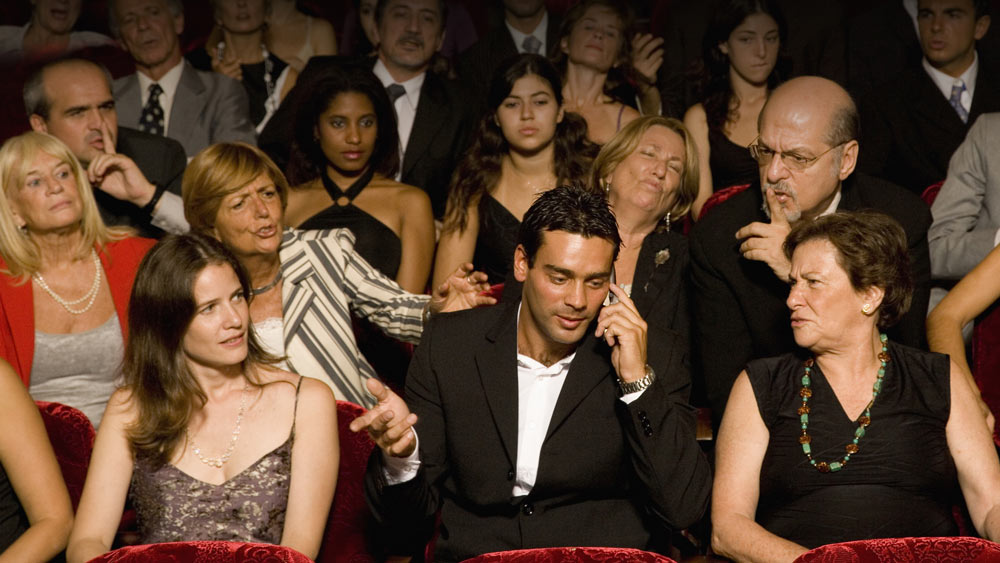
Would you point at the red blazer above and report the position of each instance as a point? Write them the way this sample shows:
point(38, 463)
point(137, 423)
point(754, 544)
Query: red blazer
point(17, 314)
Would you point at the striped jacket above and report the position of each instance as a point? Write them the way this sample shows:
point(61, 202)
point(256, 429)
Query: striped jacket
point(325, 280)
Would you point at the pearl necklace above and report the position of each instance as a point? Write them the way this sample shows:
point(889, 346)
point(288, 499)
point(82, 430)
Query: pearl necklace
point(89, 297)
point(863, 421)
point(222, 459)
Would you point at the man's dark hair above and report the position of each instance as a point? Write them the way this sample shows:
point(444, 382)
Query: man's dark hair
point(33, 94)
point(981, 7)
point(571, 209)
point(381, 5)
point(845, 125)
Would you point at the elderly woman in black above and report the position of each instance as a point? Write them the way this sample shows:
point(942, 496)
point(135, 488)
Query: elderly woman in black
point(853, 437)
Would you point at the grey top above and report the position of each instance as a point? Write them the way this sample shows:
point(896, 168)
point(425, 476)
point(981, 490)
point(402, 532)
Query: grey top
point(78, 369)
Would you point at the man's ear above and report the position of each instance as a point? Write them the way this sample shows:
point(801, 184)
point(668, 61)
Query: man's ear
point(38, 123)
point(520, 264)
point(982, 26)
point(179, 23)
point(848, 160)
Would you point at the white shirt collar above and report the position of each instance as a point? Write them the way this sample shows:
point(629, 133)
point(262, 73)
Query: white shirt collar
point(944, 82)
point(412, 85)
point(833, 204)
point(538, 33)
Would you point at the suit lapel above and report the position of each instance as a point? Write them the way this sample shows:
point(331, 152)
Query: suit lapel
point(928, 105)
point(129, 101)
point(587, 370)
point(650, 277)
point(187, 105)
point(432, 112)
point(987, 93)
point(497, 364)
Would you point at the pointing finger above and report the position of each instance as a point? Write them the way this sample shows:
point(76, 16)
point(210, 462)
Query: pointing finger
point(777, 211)
point(107, 140)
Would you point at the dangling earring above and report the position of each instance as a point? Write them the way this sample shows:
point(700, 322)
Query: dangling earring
point(667, 220)
point(607, 188)
point(867, 308)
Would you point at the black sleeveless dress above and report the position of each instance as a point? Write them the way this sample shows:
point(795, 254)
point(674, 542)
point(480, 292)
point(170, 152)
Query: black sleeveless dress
point(497, 239)
point(731, 164)
point(13, 521)
point(374, 241)
point(901, 483)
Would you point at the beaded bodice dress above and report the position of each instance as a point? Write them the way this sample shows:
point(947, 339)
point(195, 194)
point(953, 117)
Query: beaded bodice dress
point(901, 482)
point(249, 507)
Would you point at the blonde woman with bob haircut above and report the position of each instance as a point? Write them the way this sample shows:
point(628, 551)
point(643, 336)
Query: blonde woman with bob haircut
point(649, 171)
point(65, 277)
point(306, 284)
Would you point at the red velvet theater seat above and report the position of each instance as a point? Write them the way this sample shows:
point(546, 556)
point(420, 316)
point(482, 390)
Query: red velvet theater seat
point(203, 552)
point(572, 555)
point(904, 550)
point(345, 540)
point(72, 438)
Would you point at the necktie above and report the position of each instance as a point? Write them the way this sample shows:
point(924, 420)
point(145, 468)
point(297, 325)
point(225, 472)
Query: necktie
point(956, 100)
point(151, 120)
point(531, 44)
point(395, 91)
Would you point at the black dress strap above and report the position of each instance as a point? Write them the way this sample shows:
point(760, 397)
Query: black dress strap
point(337, 195)
point(295, 409)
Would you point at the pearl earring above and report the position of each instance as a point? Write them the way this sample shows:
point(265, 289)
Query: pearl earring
point(867, 308)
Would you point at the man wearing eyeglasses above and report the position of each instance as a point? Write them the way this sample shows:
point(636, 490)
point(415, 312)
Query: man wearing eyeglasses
point(806, 152)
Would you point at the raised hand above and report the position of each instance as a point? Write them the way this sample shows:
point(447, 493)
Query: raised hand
point(622, 327)
point(763, 241)
point(647, 55)
point(117, 175)
point(462, 290)
point(389, 423)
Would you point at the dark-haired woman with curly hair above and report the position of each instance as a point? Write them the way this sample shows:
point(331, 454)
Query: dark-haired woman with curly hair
point(738, 69)
point(345, 157)
point(526, 144)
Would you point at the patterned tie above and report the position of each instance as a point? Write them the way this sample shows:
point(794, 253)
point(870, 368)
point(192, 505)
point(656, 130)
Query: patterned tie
point(531, 44)
point(395, 91)
point(151, 120)
point(956, 100)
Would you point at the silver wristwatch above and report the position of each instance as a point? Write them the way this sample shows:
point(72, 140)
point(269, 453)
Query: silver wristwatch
point(639, 384)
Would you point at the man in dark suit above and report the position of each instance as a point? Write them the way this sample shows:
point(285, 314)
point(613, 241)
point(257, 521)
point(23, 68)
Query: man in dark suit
point(916, 118)
point(807, 151)
point(435, 116)
point(527, 27)
point(137, 175)
point(168, 96)
point(544, 421)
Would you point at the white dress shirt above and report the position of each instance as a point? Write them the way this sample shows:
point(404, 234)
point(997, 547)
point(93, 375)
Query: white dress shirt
point(538, 388)
point(538, 33)
point(406, 105)
point(945, 82)
point(168, 82)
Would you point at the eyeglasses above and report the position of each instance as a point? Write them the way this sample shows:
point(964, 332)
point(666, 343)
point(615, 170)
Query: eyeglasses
point(763, 154)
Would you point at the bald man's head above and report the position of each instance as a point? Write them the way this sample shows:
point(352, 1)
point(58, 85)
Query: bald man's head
point(812, 123)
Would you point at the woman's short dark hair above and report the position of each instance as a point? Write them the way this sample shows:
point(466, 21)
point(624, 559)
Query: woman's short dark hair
point(871, 249)
point(161, 309)
point(572, 209)
point(307, 159)
point(711, 72)
point(479, 171)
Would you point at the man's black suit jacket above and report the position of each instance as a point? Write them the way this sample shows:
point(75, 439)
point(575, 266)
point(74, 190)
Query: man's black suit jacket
point(738, 305)
point(909, 130)
point(441, 131)
point(162, 161)
point(609, 474)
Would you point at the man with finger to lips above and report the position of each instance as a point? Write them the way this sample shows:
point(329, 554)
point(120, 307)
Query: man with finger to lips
point(544, 421)
point(806, 151)
point(137, 175)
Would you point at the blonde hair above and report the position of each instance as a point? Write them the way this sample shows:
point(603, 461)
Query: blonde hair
point(626, 141)
point(17, 156)
point(219, 170)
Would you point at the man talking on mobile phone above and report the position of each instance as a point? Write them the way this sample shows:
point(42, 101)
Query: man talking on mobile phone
point(544, 421)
